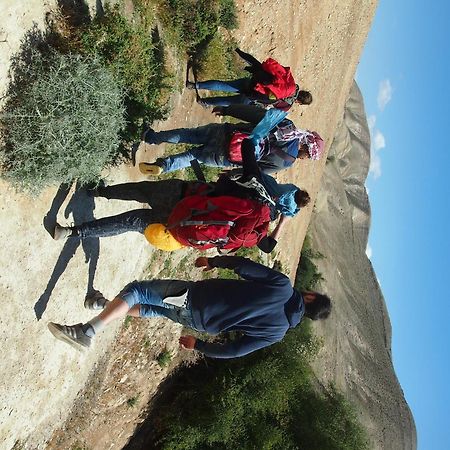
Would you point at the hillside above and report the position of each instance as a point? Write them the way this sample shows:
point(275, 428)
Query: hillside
point(357, 352)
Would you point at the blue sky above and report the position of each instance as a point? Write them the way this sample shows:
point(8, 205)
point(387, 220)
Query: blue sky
point(404, 75)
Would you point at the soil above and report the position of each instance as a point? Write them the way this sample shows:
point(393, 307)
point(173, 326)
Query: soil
point(53, 397)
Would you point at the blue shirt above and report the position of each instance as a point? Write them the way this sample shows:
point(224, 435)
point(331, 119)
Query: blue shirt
point(283, 195)
point(263, 306)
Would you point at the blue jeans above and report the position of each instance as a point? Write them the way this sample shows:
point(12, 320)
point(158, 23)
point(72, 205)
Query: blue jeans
point(241, 85)
point(213, 139)
point(149, 296)
point(162, 196)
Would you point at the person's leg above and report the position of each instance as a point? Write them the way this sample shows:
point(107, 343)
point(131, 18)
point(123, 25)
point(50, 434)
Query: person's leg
point(138, 299)
point(80, 335)
point(135, 220)
point(240, 99)
point(195, 136)
point(212, 153)
point(224, 86)
point(167, 298)
point(158, 194)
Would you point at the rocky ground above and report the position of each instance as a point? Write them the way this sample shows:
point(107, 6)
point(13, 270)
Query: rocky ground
point(43, 280)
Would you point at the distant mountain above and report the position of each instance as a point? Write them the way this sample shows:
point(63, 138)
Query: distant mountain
point(357, 351)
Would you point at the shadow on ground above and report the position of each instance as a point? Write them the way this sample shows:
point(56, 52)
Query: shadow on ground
point(82, 206)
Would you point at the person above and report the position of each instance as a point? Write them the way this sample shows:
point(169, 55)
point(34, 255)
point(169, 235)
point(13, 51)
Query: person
point(262, 89)
point(263, 306)
point(279, 150)
point(163, 195)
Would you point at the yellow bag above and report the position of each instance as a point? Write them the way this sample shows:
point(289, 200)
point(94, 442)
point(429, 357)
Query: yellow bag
point(161, 238)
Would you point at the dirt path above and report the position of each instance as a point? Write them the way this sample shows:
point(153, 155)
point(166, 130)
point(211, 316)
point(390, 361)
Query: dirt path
point(42, 278)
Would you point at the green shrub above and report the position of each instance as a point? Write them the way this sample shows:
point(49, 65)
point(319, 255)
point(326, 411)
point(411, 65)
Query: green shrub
point(228, 14)
point(132, 51)
point(266, 400)
point(308, 275)
point(61, 121)
point(189, 24)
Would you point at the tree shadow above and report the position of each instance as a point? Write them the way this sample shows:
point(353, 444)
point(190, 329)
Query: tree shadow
point(81, 205)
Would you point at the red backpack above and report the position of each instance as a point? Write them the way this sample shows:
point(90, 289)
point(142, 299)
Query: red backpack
point(283, 84)
point(224, 222)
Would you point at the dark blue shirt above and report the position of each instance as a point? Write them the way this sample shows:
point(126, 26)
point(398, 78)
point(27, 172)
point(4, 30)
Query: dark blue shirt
point(263, 305)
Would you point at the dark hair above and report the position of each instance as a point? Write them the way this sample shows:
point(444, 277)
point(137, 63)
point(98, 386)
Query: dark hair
point(304, 97)
point(318, 309)
point(302, 198)
point(303, 151)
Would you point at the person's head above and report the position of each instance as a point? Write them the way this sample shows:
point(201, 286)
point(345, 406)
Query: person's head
point(317, 306)
point(302, 198)
point(304, 98)
point(303, 151)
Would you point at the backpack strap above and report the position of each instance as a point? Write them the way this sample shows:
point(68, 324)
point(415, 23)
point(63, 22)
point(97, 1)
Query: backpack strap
point(198, 170)
point(283, 155)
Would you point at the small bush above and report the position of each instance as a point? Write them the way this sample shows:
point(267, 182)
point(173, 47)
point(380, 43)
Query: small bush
point(132, 401)
point(164, 358)
point(228, 14)
point(132, 51)
point(61, 122)
point(308, 275)
point(191, 24)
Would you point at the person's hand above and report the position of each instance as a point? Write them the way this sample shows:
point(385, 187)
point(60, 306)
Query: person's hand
point(187, 341)
point(218, 111)
point(202, 261)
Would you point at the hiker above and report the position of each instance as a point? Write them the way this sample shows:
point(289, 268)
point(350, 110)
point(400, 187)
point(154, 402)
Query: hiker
point(219, 144)
point(263, 306)
point(271, 86)
point(164, 197)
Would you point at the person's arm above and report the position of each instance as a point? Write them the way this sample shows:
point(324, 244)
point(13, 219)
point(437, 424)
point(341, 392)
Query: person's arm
point(280, 225)
point(235, 349)
point(245, 268)
point(268, 243)
point(248, 113)
point(250, 166)
point(249, 58)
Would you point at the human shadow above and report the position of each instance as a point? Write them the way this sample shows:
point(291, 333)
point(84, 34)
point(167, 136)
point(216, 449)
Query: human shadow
point(82, 206)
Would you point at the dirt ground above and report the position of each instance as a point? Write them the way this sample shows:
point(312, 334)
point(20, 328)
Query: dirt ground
point(43, 380)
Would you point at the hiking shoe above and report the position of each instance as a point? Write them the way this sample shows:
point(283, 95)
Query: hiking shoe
point(149, 136)
point(95, 300)
point(61, 232)
point(92, 189)
point(203, 103)
point(150, 169)
point(71, 334)
point(190, 84)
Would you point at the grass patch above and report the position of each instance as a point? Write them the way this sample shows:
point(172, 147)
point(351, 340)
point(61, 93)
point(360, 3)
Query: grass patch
point(164, 358)
point(219, 61)
point(127, 321)
point(132, 401)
